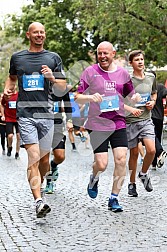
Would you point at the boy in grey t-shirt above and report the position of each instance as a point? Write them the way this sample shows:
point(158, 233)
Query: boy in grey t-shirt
point(139, 123)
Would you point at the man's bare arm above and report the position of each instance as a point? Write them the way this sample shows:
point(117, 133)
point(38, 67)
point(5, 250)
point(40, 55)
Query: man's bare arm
point(83, 98)
point(60, 84)
point(10, 86)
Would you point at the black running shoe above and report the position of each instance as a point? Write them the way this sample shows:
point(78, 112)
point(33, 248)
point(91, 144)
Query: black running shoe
point(9, 151)
point(17, 155)
point(146, 182)
point(74, 149)
point(132, 190)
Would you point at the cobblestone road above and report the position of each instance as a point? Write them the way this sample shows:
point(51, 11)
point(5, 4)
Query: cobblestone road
point(77, 223)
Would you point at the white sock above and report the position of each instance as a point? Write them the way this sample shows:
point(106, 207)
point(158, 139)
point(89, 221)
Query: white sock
point(38, 199)
point(142, 173)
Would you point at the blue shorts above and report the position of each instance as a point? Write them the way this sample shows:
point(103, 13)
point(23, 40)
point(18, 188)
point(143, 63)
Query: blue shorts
point(36, 131)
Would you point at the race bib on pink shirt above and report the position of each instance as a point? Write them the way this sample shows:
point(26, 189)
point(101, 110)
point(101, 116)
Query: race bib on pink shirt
point(109, 103)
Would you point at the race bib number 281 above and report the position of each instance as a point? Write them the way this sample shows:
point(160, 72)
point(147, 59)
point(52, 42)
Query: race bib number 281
point(33, 82)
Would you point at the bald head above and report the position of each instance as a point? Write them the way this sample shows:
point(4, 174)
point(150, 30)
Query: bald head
point(105, 55)
point(36, 25)
point(36, 35)
point(105, 44)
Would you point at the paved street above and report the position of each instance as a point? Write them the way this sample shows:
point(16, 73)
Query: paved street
point(76, 222)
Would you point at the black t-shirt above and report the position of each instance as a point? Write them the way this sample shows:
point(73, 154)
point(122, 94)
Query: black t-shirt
point(33, 99)
point(158, 110)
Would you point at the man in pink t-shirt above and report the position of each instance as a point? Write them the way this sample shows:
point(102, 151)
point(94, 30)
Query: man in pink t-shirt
point(104, 86)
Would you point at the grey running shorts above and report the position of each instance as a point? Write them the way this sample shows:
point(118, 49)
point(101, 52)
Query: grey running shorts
point(36, 131)
point(138, 131)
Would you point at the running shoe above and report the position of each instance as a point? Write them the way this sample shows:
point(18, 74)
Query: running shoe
point(83, 138)
point(74, 149)
point(114, 206)
point(146, 182)
point(49, 188)
point(17, 155)
point(55, 173)
point(161, 159)
point(42, 209)
point(54, 186)
point(132, 190)
point(3, 152)
point(92, 188)
point(153, 168)
point(9, 151)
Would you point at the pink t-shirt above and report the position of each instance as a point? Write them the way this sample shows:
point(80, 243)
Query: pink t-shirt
point(113, 86)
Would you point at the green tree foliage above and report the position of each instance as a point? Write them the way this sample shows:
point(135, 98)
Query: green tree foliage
point(128, 24)
point(56, 16)
point(8, 45)
point(74, 28)
point(161, 76)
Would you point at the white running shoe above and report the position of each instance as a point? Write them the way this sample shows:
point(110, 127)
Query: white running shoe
point(161, 159)
point(42, 209)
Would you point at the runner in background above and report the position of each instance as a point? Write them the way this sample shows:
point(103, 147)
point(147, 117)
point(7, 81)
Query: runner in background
point(2, 130)
point(8, 110)
point(139, 126)
point(59, 138)
point(77, 121)
point(157, 116)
